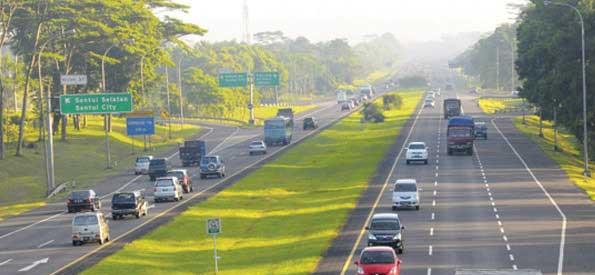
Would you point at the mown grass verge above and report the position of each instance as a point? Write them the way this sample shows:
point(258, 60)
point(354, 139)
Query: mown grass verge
point(279, 219)
point(81, 159)
point(495, 105)
point(569, 156)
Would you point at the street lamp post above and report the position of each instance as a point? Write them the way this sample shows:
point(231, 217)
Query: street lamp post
point(586, 170)
point(105, 117)
point(181, 91)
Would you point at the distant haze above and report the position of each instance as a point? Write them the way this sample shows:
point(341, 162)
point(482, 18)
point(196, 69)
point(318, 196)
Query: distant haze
point(319, 20)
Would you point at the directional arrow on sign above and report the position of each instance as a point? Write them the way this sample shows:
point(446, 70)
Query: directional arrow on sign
point(34, 264)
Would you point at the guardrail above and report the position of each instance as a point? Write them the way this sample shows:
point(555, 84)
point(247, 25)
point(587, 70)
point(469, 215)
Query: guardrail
point(61, 188)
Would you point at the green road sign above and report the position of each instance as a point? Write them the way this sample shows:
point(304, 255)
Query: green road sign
point(213, 226)
point(266, 78)
point(233, 79)
point(96, 103)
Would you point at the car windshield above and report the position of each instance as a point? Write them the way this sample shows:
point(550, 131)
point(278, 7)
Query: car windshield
point(256, 143)
point(177, 174)
point(405, 187)
point(308, 120)
point(207, 160)
point(123, 197)
point(385, 224)
point(158, 162)
point(274, 124)
point(143, 160)
point(85, 220)
point(377, 257)
point(417, 147)
point(459, 132)
point(164, 183)
point(78, 195)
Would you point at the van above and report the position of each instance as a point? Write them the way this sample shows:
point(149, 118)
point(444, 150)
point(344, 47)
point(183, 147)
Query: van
point(89, 227)
point(406, 194)
point(158, 168)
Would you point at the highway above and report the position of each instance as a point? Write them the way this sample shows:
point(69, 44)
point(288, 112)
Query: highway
point(507, 208)
point(39, 242)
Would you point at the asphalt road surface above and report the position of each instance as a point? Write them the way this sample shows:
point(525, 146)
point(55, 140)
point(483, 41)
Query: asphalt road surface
point(39, 242)
point(508, 207)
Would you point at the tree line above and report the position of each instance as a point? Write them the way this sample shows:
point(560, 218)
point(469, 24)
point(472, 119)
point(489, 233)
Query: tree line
point(144, 54)
point(547, 61)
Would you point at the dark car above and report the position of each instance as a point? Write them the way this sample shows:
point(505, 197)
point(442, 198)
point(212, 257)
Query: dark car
point(481, 130)
point(386, 230)
point(129, 203)
point(158, 168)
point(310, 123)
point(83, 200)
point(183, 178)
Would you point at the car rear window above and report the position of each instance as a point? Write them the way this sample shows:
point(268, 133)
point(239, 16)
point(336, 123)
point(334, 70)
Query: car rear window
point(417, 146)
point(123, 197)
point(256, 143)
point(405, 187)
point(143, 160)
point(164, 183)
point(207, 160)
point(78, 195)
point(85, 220)
point(377, 257)
point(385, 224)
point(176, 174)
point(158, 162)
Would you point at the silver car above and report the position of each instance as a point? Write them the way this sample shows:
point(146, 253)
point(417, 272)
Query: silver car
point(141, 166)
point(257, 147)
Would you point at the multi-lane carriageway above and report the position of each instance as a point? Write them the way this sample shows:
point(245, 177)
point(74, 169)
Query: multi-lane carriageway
point(39, 242)
point(508, 208)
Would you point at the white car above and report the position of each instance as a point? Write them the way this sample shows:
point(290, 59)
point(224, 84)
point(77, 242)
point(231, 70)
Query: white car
point(89, 227)
point(168, 188)
point(429, 103)
point(406, 194)
point(431, 95)
point(257, 147)
point(417, 151)
point(141, 166)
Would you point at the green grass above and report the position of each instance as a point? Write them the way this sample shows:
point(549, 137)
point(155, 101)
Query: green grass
point(279, 219)
point(569, 157)
point(81, 159)
point(495, 105)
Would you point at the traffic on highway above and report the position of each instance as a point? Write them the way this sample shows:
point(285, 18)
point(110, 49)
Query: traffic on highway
point(288, 137)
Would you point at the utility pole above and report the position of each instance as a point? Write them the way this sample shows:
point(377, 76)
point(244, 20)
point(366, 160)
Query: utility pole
point(108, 157)
point(555, 129)
point(251, 105)
point(181, 91)
point(168, 101)
point(498, 68)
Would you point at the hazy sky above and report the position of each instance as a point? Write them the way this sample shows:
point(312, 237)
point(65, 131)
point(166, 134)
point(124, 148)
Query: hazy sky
point(409, 20)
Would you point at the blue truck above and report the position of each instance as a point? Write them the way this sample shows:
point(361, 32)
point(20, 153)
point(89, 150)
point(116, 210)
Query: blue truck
point(460, 134)
point(192, 152)
point(278, 130)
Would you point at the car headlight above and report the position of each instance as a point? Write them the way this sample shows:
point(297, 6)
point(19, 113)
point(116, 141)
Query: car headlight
point(360, 270)
point(371, 237)
point(393, 270)
point(397, 237)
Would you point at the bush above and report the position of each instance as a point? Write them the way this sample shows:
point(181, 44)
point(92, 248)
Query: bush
point(392, 101)
point(372, 113)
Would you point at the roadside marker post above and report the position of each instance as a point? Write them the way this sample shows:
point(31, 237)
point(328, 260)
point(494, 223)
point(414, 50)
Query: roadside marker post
point(213, 229)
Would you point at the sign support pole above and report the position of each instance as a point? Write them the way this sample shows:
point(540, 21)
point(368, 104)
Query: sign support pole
point(108, 157)
point(215, 252)
point(251, 106)
point(50, 147)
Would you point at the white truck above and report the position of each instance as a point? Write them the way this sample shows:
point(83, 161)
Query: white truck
point(341, 96)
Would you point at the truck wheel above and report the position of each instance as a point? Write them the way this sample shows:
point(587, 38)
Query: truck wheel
point(394, 208)
point(408, 162)
point(137, 215)
point(426, 162)
point(152, 178)
point(449, 152)
point(470, 152)
point(74, 243)
point(417, 207)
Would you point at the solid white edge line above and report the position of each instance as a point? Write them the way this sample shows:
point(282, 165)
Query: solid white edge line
point(386, 183)
point(547, 194)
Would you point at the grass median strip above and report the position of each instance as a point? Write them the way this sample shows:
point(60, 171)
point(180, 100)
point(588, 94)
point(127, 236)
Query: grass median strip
point(279, 219)
point(495, 105)
point(569, 157)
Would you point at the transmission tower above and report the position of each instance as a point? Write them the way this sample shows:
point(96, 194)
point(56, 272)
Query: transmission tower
point(246, 37)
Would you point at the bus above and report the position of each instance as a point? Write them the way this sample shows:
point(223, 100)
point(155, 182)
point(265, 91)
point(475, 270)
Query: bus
point(278, 130)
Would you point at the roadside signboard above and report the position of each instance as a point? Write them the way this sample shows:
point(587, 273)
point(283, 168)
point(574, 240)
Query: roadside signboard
point(140, 126)
point(73, 79)
point(213, 226)
point(266, 79)
point(96, 103)
point(233, 80)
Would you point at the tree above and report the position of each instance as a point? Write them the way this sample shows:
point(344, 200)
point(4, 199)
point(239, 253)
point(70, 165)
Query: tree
point(7, 11)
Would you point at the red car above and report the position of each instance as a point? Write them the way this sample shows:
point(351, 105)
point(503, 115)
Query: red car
point(378, 260)
point(183, 178)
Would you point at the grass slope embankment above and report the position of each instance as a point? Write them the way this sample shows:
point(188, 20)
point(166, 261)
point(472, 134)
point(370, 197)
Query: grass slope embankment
point(279, 219)
point(569, 156)
point(495, 105)
point(81, 159)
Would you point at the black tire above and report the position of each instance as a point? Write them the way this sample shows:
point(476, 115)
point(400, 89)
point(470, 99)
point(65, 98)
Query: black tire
point(74, 243)
point(114, 217)
point(426, 162)
point(152, 178)
point(100, 241)
point(251, 153)
point(137, 215)
point(202, 177)
point(417, 207)
point(394, 208)
point(449, 152)
point(156, 201)
point(408, 162)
